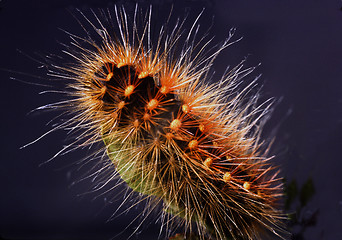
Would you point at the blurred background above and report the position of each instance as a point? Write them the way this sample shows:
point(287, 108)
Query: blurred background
point(299, 46)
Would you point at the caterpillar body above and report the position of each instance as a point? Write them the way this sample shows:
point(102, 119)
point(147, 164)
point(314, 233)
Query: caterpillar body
point(192, 146)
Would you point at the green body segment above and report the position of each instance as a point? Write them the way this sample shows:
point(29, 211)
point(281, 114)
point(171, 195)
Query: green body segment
point(163, 150)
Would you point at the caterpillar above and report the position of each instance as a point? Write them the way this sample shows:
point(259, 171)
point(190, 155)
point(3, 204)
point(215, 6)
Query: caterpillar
point(191, 146)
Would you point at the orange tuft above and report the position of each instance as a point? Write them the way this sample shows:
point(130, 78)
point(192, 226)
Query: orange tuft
point(193, 144)
point(146, 117)
point(136, 123)
point(175, 124)
point(208, 162)
point(121, 105)
point(169, 136)
point(246, 185)
point(121, 64)
point(109, 76)
point(164, 90)
point(143, 75)
point(129, 90)
point(185, 108)
point(152, 104)
point(227, 176)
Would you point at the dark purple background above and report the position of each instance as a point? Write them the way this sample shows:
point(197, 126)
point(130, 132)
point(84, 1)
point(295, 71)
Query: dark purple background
point(299, 44)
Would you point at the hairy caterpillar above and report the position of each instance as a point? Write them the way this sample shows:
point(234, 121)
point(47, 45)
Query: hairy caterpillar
point(192, 146)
